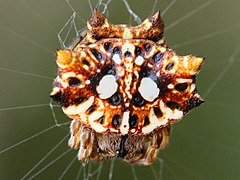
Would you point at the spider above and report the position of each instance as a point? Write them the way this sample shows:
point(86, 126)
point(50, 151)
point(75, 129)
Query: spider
point(123, 87)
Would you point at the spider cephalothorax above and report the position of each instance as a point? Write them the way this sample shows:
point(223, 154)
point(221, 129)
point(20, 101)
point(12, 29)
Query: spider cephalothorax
point(123, 87)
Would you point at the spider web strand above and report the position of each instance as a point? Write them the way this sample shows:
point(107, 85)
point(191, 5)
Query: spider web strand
point(50, 164)
point(45, 157)
point(67, 168)
point(26, 73)
point(204, 5)
point(27, 139)
point(168, 7)
point(230, 62)
point(23, 107)
point(27, 39)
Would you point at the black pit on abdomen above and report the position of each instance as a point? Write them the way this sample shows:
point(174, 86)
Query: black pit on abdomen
point(79, 100)
point(181, 87)
point(97, 54)
point(116, 99)
point(173, 105)
point(91, 109)
point(138, 51)
point(146, 121)
point(138, 100)
point(116, 121)
point(157, 112)
point(61, 98)
point(73, 81)
point(133, 121)
point(157, 57)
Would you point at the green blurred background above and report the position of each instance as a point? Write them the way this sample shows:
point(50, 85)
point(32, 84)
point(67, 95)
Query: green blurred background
point(204, 145)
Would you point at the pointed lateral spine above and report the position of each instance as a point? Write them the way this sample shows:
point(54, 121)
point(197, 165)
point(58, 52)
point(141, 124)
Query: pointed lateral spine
point(99, 27)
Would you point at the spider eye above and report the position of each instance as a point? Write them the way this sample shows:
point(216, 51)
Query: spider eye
point(73, 81)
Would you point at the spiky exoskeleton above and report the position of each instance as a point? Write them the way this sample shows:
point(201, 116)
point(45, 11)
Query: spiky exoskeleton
point(123, 86)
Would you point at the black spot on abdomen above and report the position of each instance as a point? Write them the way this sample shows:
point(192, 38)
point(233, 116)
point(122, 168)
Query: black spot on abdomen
point(157, 57)
point(116, 121)
point(137, 100)
point(116, 99)
point(147, 47)
point(91, 109)
point(73, 81)
point(157, 112)
point(169, 66)
point(181, 87)
point(133, 121)
point(79, 100)
point(107, 46)
point(146, 121)
point(127, 54)
point(61, 98)
point(173, 105)
point(97, 54)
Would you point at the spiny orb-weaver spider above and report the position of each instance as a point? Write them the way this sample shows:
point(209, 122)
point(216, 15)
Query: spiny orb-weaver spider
point(124, 87)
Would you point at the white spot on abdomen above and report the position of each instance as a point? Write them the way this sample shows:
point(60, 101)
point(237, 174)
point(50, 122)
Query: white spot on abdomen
point(180, 80)
point(168, 114)
point(193, 87)
point(107, 86)
point(125, 123)
point(127, 34)
point(116, 58)
point(148, 89)
point(170, 86)
point(95, 125)
point(154, 122)
point(128, 47)
point(68, 74)
point(79, 109)
point(139, 60)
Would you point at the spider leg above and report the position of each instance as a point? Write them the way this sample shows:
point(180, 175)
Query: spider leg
point(86, 139)
point(73, 141)
point(82, 138)
point(166, 131)
point(158, 140)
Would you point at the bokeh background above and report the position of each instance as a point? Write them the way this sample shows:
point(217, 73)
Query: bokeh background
point(204, 145)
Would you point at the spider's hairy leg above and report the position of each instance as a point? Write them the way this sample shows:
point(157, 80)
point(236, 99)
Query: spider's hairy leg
point(86, 139)
point(166, 131)
point(82, 138)
point(73, 142)
point(158, 140)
